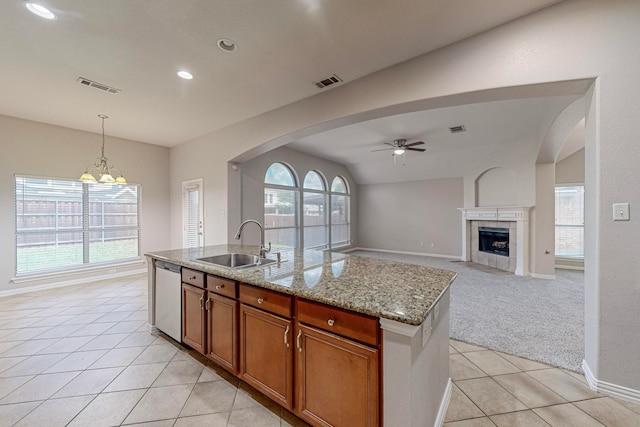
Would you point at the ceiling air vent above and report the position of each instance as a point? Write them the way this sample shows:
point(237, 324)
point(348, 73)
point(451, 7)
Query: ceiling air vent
point(458, 129)
point(97, 85)
point(331, 80)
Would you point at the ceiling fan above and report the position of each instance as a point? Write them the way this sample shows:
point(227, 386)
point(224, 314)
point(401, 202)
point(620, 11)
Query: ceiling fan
point(400, 145)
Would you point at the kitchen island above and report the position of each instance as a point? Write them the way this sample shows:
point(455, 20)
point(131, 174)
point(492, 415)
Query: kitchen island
point(408, 306)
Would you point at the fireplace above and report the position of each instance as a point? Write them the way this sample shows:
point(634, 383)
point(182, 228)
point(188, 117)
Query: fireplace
point(493, 240)
point(508, 227)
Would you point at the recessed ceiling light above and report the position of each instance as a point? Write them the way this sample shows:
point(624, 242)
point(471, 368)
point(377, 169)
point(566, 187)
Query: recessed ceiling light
point(227, 45)
point(40, 10)
point(185, 75)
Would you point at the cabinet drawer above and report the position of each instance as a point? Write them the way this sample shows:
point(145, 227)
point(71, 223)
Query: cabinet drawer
point(193, 277)
point(221, 286)
point(267, 300)
point(348, 324)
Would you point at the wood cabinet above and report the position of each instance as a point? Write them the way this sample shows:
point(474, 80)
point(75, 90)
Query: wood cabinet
point(222, 331)
point(336, 378)
point(210, 317)
point(266, 359)
point(193, 317)
point(318, 361)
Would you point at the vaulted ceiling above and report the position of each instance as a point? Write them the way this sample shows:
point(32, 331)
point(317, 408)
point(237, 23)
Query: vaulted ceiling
point(137, 46)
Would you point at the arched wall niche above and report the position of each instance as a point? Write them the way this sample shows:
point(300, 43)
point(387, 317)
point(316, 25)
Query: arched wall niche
point(496, 187)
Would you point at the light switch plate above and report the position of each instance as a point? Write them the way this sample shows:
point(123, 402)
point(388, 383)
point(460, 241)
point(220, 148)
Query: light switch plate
point(621, 211)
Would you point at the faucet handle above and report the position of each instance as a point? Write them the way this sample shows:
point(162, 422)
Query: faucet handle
point(269, 250)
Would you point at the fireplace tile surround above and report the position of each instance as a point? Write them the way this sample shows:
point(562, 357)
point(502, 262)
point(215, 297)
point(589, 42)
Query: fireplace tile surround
point(516, 219)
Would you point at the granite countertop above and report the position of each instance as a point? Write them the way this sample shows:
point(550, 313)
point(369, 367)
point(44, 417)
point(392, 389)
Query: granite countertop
point(380, 288)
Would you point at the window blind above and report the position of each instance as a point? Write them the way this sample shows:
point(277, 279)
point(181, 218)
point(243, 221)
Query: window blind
point(64, 224)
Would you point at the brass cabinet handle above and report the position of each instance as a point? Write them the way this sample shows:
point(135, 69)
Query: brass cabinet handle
point(207, 304)
point(286, 336)
point(201, 303)
point(260, 300)
point(218, 287)
point(298, 341)
point(331, 322)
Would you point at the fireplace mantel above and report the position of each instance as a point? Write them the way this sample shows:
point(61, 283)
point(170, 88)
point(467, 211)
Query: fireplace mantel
point(517, 214)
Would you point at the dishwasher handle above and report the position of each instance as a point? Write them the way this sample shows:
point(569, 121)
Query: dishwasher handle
point(169, 266)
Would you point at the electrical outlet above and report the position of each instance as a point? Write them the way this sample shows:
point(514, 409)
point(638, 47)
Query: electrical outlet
point(433, 245)
point(422, 244)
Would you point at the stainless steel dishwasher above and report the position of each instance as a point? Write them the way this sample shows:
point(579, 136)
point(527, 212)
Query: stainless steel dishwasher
point(169, 299)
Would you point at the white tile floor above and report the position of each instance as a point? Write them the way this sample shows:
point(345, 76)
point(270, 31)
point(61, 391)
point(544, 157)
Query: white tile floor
point(81, 356)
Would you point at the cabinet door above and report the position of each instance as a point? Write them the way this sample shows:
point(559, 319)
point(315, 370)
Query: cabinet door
point(336, 380)
point(266, 354)
point(193, 317)
point(222, 327)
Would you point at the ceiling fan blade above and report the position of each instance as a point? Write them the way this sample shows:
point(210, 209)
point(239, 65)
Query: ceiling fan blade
point(383, 149)
point(414, 143)
point(414, 149)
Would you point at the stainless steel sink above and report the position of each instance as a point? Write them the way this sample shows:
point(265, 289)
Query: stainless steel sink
point(237, 261)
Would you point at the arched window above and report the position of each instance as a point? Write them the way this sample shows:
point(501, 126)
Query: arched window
point(315, 220)
point(340, 213)
point(281, 202)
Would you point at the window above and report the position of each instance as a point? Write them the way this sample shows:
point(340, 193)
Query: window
point(314, 211)
point(340, 213)
point(570, 221)
point(63, 224)
point(281, 207)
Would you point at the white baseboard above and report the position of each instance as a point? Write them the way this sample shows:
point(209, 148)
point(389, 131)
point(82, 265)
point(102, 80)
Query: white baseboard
point(457, 257)
point(615, 390)
point(444, 405)
point(569, 267)
point(543, 276)
point(75, 281)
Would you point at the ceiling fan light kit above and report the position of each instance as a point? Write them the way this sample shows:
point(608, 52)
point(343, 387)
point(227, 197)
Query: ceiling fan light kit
point(400, 148)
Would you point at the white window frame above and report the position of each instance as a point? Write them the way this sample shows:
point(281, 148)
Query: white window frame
point(86, 231)
point(298, 243)
point(326, 225)
point(347, 195)
point(556, 225)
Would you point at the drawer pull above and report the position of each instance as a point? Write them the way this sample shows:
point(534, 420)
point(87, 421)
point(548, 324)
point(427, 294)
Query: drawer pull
point(218, 287)
point(260, 300)
point(192, 277)
point(201, 303)
point(286, 336)
point(298, 341)
point(331, 322)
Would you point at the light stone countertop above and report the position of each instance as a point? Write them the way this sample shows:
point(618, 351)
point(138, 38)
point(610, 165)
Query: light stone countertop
point(380, 288)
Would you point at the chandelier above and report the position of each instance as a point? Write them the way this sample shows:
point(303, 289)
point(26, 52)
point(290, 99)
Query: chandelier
point(102, 167)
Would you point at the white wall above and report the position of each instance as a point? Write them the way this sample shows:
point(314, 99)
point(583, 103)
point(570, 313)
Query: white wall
point(581, 39)
point(32, 148)
point(252, 177)
point(401, 216)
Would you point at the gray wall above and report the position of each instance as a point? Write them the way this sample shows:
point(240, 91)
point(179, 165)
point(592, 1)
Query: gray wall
point(401, 216)
point(528, 51)
point(571, 169)
point(32, 148)
point(252, 174)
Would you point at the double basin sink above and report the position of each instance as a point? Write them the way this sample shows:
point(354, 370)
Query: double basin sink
point(237, 261)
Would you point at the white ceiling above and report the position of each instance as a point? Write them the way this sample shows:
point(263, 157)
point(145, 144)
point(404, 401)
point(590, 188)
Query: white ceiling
point(284, 46)
point(490, 127)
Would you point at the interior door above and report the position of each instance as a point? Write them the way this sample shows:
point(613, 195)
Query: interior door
point(192, 214)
